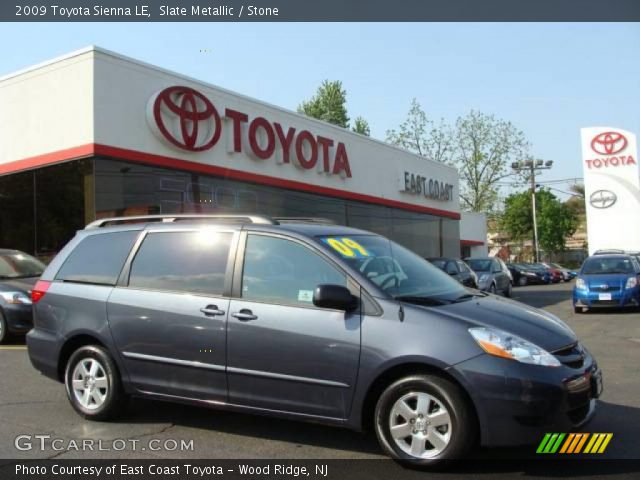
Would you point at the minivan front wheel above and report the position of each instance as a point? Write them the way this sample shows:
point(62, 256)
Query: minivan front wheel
point(423, 420)
point(93, 383)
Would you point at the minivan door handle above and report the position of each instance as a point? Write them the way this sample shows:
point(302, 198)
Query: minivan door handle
point(245, 314)
point(211, 310)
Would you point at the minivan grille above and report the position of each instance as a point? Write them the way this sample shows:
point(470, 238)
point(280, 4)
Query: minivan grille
point(572, 356)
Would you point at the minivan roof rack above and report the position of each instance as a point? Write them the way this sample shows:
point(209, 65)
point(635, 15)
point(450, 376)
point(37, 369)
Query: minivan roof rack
point(104, 222)
point(320, 220)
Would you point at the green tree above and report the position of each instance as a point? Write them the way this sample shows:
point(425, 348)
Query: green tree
point(576, 201)
point(328, 104)
point(421, 135)
point(485, 146)
point(556, 221)
point(361, 126)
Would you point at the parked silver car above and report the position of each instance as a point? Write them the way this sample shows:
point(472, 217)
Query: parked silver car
point(493, 275)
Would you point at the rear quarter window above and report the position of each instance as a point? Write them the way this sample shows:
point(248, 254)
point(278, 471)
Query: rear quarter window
point(98, 259)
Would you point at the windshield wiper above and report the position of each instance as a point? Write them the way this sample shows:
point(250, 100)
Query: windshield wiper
point(467, 296)
point(430, 301)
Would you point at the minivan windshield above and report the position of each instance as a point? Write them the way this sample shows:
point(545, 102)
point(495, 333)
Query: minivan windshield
point(396, 270)
point(607, 265)
point(19, 265)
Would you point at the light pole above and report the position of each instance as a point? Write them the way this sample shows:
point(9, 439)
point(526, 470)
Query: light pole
point(531, 166)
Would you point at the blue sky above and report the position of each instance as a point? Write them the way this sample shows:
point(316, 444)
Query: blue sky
point(548, 79)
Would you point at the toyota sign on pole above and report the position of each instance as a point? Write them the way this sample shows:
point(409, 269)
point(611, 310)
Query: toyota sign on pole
point(612, 188)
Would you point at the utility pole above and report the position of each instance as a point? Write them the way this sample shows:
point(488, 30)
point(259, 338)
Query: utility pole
point(532, 166)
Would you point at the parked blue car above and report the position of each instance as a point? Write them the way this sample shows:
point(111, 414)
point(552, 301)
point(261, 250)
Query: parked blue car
point(607, 281)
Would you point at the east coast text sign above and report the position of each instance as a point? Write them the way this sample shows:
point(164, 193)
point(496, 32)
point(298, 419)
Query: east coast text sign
point(612, 188)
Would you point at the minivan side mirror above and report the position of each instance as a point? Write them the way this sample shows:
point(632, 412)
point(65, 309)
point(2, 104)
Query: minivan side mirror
point(335, 297)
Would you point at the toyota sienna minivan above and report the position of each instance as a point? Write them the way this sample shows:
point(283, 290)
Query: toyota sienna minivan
point(303, 319)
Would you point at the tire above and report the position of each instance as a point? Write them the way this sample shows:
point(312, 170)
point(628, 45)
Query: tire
point(508, 291)
point(522, 281)
point(492, 288)
point(578, 310)
point(452, 439)
point(102, 397)
point(4, 329)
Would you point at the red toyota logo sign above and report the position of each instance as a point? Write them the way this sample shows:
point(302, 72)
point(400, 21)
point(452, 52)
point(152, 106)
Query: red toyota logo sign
point(187, 119)
point(608, 143)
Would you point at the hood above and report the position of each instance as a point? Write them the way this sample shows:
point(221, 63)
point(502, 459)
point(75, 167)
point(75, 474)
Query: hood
point(534, 325)
point(20, 284)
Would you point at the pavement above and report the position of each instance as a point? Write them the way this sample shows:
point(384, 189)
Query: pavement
point(31, 404)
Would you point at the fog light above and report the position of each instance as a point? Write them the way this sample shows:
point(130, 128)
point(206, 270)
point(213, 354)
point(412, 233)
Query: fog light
point(579, 384)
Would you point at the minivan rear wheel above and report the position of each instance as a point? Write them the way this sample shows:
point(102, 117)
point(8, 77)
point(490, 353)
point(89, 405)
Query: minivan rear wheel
point(93, 384)
point(424, 420)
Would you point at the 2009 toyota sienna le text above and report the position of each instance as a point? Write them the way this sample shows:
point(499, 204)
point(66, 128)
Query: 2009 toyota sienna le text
point(303, 319)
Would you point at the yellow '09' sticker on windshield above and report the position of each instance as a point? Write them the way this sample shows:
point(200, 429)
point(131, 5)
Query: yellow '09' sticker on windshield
point(346, 247)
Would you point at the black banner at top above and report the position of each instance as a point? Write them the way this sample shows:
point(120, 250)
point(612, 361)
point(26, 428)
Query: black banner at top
point(320, 10)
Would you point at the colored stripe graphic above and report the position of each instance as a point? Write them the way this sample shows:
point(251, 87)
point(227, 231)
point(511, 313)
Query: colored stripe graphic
point(543, 443)
point(567, 442)
point(607, 439)
point(574, 442)
point(598, 442)
point(550, 443)
point(581, 442)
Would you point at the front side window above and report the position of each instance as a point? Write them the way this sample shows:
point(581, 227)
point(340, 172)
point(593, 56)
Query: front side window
point(194, 262)
point(394, 269)
point(277, 270)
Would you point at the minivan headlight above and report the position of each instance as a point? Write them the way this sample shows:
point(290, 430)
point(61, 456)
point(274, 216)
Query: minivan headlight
point(506, 345)
point(581, 284)
point(16, 298)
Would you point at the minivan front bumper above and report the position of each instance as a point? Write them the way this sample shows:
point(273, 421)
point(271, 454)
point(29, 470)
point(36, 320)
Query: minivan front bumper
point(516, 403)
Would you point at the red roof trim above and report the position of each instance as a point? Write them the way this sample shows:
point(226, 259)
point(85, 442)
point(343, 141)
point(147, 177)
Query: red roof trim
point(58, 156)
point(471, 243)
point(171, 162)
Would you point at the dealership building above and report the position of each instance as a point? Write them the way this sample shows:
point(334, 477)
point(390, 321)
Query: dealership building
point(95, 134)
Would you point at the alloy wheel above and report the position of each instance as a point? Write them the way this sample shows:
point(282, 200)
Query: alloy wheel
point(420, 425)
point(89, 383)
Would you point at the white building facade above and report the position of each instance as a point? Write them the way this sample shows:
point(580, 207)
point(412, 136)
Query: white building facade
point(94, 134)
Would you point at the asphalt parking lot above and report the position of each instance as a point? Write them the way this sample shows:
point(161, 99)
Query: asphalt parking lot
point(34, 405)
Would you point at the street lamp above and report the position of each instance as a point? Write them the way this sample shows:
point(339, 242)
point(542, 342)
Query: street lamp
point(531, 166)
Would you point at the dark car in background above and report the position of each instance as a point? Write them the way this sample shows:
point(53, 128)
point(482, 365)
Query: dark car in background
point(457, 269)
point(18, 273)
point(241, 315)
point(565, 274)
point(493, 275)
point(523, 274)
point(555, 274)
